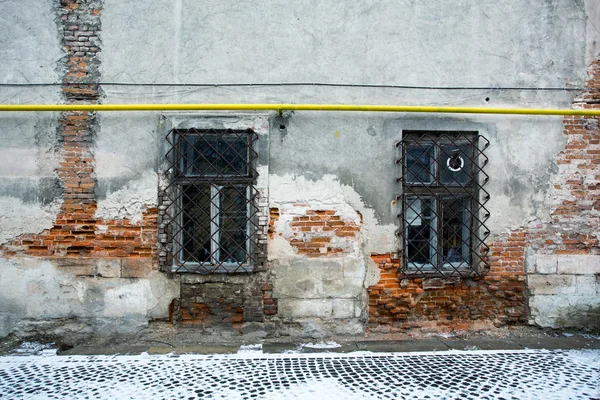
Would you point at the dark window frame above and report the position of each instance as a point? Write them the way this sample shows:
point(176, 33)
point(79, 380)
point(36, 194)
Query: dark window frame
point(453, 192)
point(174, 200)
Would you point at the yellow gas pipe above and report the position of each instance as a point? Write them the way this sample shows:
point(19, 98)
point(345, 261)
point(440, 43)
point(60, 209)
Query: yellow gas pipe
point(294, 107)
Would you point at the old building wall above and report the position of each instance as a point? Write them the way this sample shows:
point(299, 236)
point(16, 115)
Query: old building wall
point(73, 272)
point(563, 262)
point(30, 191)
point(81, 207)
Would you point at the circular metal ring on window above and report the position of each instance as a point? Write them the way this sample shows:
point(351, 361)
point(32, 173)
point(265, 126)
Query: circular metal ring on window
point(455, 163)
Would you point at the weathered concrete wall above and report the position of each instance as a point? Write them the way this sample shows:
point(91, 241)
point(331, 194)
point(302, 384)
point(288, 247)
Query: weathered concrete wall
point(565, 290)
point(29, 189)
point(78, 297)
point(65, 271)
point(563, 261)
point(316, 252)
point(86, 186)
point(390, 42)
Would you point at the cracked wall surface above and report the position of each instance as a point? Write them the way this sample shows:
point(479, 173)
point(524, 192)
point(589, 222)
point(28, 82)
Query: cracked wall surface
point(73, 266)
point(79, 192)
point(317, 254)
point(563, 260)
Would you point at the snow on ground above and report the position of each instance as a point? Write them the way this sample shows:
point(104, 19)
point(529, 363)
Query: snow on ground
point(36, 348)
point(322, 345)
point(523, 374)
point(252, 349)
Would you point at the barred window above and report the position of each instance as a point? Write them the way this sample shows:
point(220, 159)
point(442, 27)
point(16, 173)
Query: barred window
point(443, 202)
point(211, 200)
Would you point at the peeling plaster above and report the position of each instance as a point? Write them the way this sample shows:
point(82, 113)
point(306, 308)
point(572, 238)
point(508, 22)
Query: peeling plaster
point(40, 289)
point(280, 248)
point(131, 200)
point(300, 283)
point(262, 182)
point(290, 192)
point(18, 218)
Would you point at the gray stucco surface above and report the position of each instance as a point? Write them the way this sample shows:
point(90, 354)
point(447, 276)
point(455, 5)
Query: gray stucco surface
point(29, 53)
point(489, 42)
point(348, 157)
point(492, 44)
point(34, 290)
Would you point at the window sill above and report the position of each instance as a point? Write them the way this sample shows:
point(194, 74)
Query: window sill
point(198, 269)
point(465, 273)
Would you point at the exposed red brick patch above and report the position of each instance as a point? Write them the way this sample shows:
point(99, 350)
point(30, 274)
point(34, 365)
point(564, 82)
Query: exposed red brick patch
point(451, 303)
point(77, 233)
point(399, 303)
point(576, 186)
point(273, 217)
point(323, 233)
point(200, 315)
point(269, 303)
point(205, 304)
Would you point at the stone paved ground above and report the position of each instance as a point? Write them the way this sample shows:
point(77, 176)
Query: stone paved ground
point(481, 374)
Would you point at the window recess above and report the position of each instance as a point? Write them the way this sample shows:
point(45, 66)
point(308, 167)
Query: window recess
point(443, 199)
point(211, 201)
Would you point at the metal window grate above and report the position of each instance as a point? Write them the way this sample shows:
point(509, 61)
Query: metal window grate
point(443, 199)
point(209, 205)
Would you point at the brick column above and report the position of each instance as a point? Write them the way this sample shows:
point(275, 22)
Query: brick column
point(77, 233)
point(79, 25)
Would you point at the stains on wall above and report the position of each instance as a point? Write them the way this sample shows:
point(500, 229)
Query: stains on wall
point(399, 303)
point(563, 262)
point(110, 256)
point(321, 233)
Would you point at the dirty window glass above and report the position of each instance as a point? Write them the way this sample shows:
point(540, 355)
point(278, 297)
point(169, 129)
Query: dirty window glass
point(211, 201)
point(442, 191)
point(196, 222)
point(232, 223)
point(455, 164)
point(420, 230)
point(213, 154)
point(456, 230)
point(420, 164)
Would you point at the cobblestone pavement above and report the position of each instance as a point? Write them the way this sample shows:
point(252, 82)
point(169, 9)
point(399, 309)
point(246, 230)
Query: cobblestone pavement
point(529, 374)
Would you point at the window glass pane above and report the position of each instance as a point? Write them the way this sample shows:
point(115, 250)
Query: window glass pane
point(233, 220)
point(420, 164)
point(196, 223)
point(198, 155)
point(455, 164)
point(233, 153)
point(420, 230)
point(456, 230)
point(211, 154)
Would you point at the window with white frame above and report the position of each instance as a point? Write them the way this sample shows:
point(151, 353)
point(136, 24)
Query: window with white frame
point(211, 200)
point(443, 202)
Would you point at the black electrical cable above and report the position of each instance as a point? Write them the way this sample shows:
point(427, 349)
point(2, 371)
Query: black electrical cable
point(351, 85)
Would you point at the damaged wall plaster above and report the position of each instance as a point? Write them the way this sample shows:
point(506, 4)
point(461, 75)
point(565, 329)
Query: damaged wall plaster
point(293, 193)
point(131, 200)
point(62, 293)
point(318, 291)
point(18, 218)
point(318, 162)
